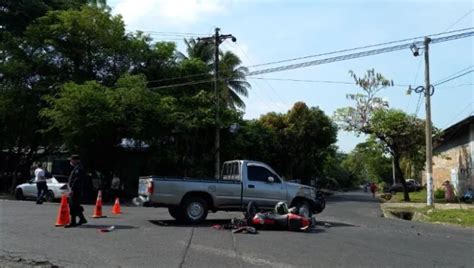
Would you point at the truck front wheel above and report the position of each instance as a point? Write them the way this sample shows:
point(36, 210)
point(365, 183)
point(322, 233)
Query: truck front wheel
point(194, 209)
point(304, 209)
point(176, 213)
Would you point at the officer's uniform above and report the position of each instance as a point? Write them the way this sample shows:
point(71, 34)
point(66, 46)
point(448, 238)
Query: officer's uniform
point(76, 182)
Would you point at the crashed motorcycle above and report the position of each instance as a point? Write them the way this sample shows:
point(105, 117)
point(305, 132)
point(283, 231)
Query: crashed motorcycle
point(280, 219)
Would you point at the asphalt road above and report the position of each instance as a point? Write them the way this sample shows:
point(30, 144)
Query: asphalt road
point(351, 233)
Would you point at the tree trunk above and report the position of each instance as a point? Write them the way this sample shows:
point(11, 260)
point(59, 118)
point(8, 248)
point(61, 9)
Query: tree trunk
point(399, 175)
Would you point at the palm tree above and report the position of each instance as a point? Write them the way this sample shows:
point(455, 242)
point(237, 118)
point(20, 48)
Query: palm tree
point(235, 84)
point(230, 70)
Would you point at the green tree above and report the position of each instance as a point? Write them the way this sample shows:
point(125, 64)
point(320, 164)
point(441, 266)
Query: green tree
point(80, 45)
point(368, 161)
point(93, 119)
point(401, 135)
point(16, 15)
point(20, 97)
point(308, 136)
point(295, 144)
point(234, 84)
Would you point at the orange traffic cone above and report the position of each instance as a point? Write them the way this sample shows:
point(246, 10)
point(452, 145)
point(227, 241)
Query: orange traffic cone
point(98, 206)
point(116, 208)
point(63, 213)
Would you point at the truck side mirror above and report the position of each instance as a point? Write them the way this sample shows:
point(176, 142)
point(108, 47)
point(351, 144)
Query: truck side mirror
point(271, 179)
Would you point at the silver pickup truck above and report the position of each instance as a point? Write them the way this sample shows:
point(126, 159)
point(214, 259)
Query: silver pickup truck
point(189, 199)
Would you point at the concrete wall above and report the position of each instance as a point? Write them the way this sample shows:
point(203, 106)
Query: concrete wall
point(455, 159)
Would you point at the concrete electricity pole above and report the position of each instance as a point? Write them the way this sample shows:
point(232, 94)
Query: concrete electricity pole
point(428, 90)
point(429, 135)
point(393, 171)
point(217, 39)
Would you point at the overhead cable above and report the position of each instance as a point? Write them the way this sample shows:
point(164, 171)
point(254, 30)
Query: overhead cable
point(453, 78)
point(359, 54)
point(356, 48)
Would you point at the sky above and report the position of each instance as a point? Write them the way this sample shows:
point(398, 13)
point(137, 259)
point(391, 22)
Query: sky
point(273, 30)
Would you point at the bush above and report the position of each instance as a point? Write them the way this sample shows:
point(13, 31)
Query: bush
point(439, 194)
point(381, 186)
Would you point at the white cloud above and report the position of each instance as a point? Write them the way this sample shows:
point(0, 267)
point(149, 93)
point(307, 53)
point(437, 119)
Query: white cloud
point(259, 107)
point(140, 14)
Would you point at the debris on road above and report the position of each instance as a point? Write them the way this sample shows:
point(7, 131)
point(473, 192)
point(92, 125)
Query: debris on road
point(245, 229)
point(107, 230)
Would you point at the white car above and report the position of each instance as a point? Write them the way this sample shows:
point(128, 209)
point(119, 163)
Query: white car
point(57, 186)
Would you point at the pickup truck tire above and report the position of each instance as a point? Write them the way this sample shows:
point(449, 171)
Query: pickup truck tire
point(194, 209)
point(304, 209)
point(176, 213)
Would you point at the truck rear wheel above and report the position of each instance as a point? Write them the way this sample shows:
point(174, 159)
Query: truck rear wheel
point(194, 209)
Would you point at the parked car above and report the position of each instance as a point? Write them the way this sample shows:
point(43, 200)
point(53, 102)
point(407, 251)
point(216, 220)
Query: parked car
point(412, 186)
point(242, 181)
point(57, 186)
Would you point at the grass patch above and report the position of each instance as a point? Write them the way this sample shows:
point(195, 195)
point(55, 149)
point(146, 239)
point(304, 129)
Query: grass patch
point(463, 217)
point(415, 197)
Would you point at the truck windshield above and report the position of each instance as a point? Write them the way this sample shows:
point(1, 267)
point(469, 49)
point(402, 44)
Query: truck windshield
point(231, 171)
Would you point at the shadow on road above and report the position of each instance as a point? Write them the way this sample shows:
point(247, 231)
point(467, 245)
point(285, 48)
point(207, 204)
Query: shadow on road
point(210, 223)
point(330, 224)
point(103, 226)
point(206, 223)
point(352, 197)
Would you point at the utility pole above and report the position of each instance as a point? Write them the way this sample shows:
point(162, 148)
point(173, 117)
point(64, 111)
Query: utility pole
point(217, 143)
point(393, 171)
point(217, 39)
point(428, 90)
point(429, 135)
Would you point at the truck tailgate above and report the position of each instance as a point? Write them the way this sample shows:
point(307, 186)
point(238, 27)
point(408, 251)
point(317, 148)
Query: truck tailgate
point(143, 185)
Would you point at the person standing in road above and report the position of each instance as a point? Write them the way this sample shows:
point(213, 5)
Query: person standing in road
point(41, 186)
point(373, 188)
point(76, 183)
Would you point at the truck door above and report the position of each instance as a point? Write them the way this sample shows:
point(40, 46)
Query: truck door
point(263, 186)
point(228, 192)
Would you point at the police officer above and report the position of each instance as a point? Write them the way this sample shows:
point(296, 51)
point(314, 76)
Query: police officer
point(76, 183)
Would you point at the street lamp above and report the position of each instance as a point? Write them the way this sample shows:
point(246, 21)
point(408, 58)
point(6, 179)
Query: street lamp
point(415, 50)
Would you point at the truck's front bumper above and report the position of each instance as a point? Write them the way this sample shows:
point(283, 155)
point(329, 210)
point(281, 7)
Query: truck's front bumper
point(141, 201)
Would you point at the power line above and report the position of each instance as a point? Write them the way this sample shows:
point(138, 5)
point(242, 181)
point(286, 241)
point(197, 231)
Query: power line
point(172, 33)
point(458, 72)
point(458, 86)
point(416, 76)
point(314, 81)
point(457, 115)
point(267, 83)
point(414, 82)
point(462, 17)
point(185, 84)
point(418, 105)
point(357, 48)
point(177, 77)
point(359, 54)
point(456, 77)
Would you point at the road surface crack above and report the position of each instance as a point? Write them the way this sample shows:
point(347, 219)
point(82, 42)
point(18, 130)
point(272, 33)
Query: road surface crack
point(188, 245)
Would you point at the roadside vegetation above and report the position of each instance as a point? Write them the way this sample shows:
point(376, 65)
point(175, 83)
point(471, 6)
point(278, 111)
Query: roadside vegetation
point(457, 216)
point(73, 80)
point(463, 217)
